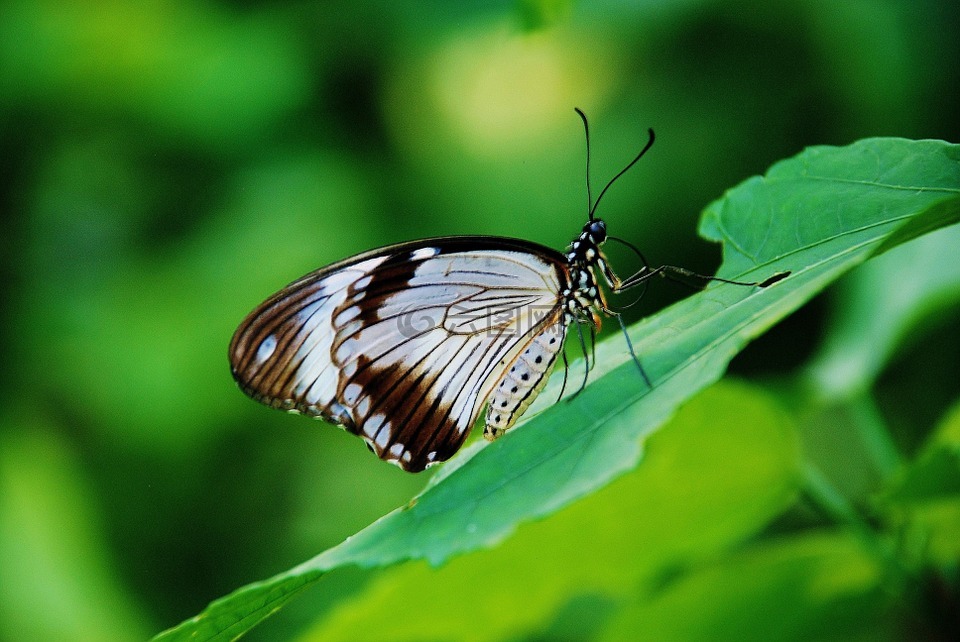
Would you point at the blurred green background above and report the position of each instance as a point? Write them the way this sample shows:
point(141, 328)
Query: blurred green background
point(166, 166)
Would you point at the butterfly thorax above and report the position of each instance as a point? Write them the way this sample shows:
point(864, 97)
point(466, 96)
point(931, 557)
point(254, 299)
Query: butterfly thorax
point(583, 296)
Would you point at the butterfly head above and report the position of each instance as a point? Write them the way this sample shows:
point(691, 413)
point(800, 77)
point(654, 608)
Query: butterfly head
point(585, 249)
point(595, 231)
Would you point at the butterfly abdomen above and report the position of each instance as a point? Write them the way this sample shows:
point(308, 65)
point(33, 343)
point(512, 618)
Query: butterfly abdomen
point(523, 380)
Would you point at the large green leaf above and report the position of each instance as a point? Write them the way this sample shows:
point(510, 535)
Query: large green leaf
point(817, 215)
point(685, 504)
point(880, 305)
point(817, 586)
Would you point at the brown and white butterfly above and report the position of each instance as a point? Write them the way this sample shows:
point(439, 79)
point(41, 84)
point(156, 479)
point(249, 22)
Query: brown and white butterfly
point(404, 345)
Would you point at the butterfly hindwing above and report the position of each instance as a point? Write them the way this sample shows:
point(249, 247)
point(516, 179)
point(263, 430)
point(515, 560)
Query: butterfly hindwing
point(402, 345)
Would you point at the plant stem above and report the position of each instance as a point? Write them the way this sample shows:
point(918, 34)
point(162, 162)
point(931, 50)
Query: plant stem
point(833, 502)
point(874, 434)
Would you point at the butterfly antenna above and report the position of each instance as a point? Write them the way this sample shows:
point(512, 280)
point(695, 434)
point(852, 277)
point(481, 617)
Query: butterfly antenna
point(586, 134)
point(623, 171)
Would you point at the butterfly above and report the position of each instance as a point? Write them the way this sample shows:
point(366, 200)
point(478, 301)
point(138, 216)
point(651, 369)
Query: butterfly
point(405, 345)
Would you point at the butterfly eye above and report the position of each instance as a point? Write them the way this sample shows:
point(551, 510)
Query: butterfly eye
point(597, 229)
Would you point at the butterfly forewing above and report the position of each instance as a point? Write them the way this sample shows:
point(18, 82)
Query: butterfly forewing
point(405, 344)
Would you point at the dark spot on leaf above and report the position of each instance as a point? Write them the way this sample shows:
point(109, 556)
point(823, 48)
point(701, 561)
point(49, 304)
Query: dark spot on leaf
point(773, 279)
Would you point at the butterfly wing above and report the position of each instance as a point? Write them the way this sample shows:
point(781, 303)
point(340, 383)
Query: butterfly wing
point(402, 345)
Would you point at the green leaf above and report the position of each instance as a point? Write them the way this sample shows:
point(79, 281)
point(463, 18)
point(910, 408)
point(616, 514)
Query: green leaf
point(54, 554)
point(683, 505)
point(819, 586)
point(927, 492)
point(836, 197)
point(163, 63)
point(874, 311)
point(879, 305)
point(817, 215)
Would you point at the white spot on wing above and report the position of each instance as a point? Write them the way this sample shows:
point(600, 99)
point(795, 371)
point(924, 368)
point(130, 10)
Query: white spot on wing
point(349, 314)
point(265, 351)
point(363, 406)
point(383, 436)
point(350, 368)
point(351, 393)
point(350, 328)
point(369, 264)
point(341, 279)
point(424, 253)
point(373, 423)
point(338, 413)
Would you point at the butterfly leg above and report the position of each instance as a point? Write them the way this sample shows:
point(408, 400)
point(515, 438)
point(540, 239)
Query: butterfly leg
point(618, 285)
point(633, 354)
point(586, 360)
point(566, 371)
